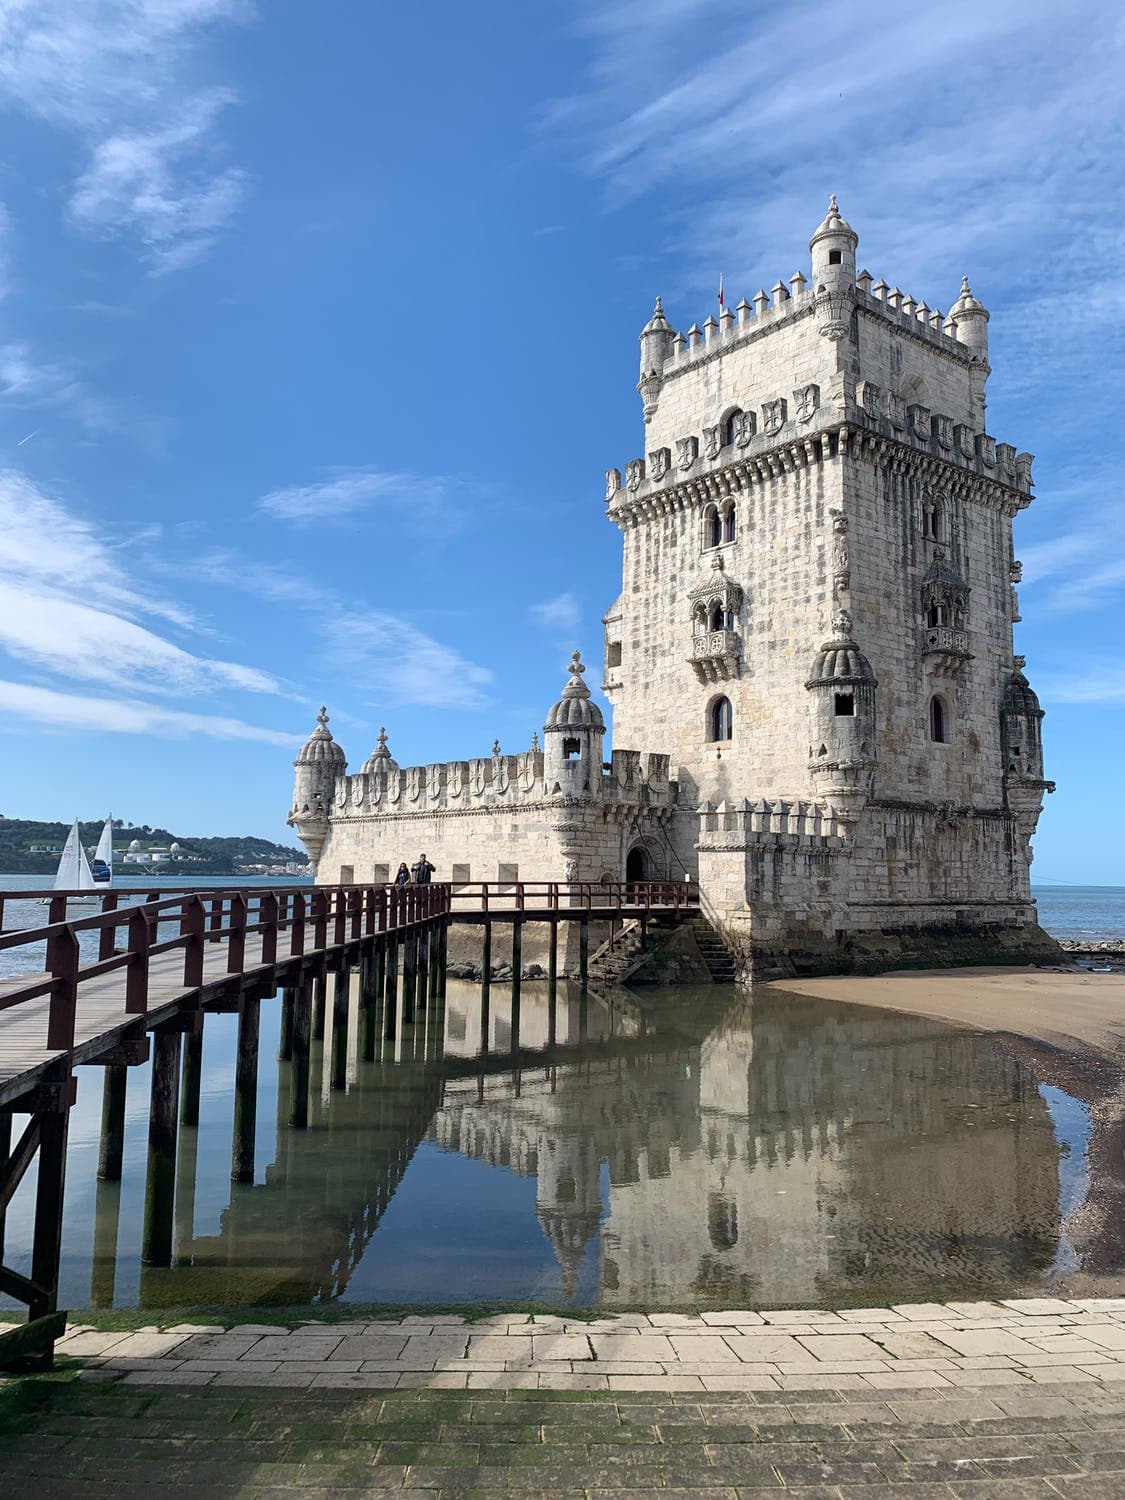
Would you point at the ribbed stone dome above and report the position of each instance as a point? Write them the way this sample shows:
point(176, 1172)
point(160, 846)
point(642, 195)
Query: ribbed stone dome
point(320, 747)
point(575, 709)
point(380, 759)
point(1020, 698)
point(833, 223)
point(840, 660)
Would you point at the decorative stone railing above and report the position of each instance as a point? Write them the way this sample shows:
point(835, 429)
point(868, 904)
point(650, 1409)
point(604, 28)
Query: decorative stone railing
point(715, 654)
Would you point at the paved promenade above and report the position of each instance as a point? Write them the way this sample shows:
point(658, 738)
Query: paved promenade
point(915, 1346)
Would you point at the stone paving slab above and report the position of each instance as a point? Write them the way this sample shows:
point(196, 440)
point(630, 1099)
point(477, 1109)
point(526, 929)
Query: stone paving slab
point(1023, 1342)
point(129, 1437)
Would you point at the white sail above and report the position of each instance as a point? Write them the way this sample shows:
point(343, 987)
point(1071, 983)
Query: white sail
point(73, 873)
point(103, 857)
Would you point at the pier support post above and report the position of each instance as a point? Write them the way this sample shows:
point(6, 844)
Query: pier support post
point(103, 1261)
point(192, 1076)
point(486, 988)
point(288, 1001)
point(583, 952)
point(47, 1235)
point(302, 1032)
point(517, 975)
point(423, 986)
point(371, 990)
point(245, 1090)
point(160, 1183)
point(553, 960)
point(390, 997)
point(320, 1004)
point(409, 975)
point(341, 997)
point(5, 1153)
point(112, 1146)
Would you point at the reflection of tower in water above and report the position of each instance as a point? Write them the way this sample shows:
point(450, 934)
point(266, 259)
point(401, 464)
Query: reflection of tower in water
point(568, 1201)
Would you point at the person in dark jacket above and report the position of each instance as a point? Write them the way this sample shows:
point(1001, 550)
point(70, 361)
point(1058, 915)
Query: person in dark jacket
point(403, 876)
point(422, 871)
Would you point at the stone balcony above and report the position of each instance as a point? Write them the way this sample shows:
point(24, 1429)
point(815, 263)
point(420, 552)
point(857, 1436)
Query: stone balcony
point(946, 650)
point(715, 655)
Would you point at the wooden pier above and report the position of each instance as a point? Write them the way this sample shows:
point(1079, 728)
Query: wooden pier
point(133, 980)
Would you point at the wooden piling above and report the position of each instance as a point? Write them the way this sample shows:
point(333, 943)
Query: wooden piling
point(47, 1234)
point(160, 1183)
point(302, 1031)
point(245, 1090)
point(553, 960)
point(320, 1004)
point(341, 998)
point(192, 1076)
point(390, 995)
point(370, 993)
point(288, 1001)
point(583, 951)
point(409, 975)
point(5, 1153)
point(517, 975)
point(111, 1148)
point(107, 1222)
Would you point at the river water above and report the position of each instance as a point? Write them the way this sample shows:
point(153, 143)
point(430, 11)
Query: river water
point(685, 1148)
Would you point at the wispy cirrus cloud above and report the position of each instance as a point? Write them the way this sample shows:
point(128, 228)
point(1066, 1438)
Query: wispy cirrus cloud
point(31, 383)
point(67, 607)
point(122, 76)
point(395, 660)
point(561, 615)
point(51, 709)
point(347, 492)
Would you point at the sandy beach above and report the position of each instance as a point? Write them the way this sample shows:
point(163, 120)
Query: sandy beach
point(1062, 1008)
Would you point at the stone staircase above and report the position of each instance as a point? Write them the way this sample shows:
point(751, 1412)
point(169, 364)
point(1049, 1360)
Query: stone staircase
point(714, 953)
point(612, 963)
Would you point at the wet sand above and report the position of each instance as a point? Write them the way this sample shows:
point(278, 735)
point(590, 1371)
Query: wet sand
point(1069, 1027)
point(1059, 1007)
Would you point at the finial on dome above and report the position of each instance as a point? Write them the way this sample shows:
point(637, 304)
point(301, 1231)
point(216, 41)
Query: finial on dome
point(658, 310)
point(382, 740)
point(966, 289)
point(322, 716)
point(534, 743)
point(576, 668)
point(833, 206)
point(496, 747)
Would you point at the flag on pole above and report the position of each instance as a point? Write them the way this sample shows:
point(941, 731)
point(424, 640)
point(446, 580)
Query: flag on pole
point(721, 302)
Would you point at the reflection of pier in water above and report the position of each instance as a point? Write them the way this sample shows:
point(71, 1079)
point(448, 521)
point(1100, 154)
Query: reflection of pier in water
point(765, 1151)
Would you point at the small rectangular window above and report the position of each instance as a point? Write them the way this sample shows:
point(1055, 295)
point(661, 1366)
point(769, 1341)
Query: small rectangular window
point(380, 874)
point(571, 748)
point(845, 705)
point(460, 875)
point(347, 875)
point(507, 874)
point(835, 257)
point(613, 654)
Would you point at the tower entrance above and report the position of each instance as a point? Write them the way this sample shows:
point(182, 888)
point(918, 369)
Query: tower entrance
point(638, 866)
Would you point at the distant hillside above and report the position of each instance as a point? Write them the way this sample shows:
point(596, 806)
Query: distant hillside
point(195, 856)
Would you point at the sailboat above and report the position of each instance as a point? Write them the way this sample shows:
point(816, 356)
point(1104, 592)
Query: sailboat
point(74, 873)
point(102, 868)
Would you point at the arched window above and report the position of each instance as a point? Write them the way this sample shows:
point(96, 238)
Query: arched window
point(933, 521)
point(939, 725)
point(720, 720)
point(712, 527)
point(717, 620)
point(699, 619)
point(730, 427)
point(730, 526)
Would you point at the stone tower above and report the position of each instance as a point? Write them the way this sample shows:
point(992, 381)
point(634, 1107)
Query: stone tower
point(816, 617)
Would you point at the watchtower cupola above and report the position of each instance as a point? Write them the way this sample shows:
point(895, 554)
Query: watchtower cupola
point(842, 722)
point(319, 762)
point(572, 744)
point(833, 248)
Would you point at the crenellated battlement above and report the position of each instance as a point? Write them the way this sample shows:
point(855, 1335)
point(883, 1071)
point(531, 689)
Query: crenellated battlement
point(492, 782)
point(737, 825)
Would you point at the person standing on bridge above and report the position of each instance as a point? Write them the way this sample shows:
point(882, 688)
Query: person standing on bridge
point(403, 876)
point(422, 871)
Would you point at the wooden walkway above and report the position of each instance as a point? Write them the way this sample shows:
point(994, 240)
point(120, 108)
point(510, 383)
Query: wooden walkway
point(136, 979)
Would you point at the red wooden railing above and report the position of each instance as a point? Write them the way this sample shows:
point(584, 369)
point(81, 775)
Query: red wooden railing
point(292, 921)
point(336, 915)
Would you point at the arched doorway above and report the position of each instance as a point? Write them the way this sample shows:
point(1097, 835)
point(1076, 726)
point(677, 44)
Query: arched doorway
point(637, 865)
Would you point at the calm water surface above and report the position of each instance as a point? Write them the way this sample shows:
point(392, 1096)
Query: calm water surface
point(686, 1147)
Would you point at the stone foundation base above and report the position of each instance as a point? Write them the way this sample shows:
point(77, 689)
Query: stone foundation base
point(920, 947)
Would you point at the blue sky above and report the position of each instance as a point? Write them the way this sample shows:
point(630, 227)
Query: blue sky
point(319, 329)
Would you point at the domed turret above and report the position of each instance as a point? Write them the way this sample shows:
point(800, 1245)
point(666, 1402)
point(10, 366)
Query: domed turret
point(379, 762)
point(656, 350)
point(833, 248)
point(320, 748)
point(970, 319)
point(842, 722)
point(319, 762)
point(572, 746)
point(1021, 737)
